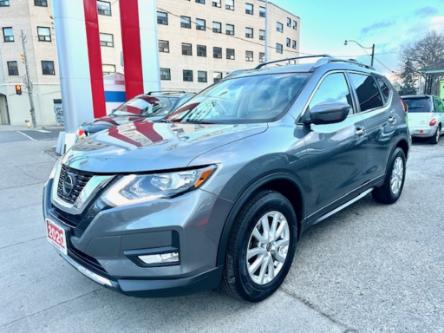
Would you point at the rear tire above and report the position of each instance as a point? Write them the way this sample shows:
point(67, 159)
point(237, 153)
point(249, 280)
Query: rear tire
point(254, 277)
point(435, 138)
point(393, 185)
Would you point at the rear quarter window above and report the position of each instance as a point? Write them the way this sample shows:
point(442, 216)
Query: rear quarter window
point(384, 87)
point(367, 91)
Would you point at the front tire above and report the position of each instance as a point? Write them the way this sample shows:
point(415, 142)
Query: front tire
point(393, 185)
point(261, 247)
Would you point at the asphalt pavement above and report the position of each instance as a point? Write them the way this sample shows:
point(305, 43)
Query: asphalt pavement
point(369, 268)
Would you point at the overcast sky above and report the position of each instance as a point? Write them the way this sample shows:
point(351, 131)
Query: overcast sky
point(387, 23)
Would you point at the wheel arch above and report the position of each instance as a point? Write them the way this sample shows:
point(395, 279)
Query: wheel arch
point(281, 182)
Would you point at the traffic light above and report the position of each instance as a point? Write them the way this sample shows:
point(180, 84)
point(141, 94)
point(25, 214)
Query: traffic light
point(18, 89)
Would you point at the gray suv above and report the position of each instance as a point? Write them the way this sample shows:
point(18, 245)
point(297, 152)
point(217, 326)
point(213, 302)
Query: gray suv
point(219, 192)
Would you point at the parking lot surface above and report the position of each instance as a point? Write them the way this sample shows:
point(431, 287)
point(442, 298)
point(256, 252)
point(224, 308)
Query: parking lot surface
point(368, 268)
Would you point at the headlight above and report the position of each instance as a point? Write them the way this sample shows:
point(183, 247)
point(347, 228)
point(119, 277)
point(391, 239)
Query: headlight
point(134, 189)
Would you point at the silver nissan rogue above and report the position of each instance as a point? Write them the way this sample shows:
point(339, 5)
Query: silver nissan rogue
point(219, 192)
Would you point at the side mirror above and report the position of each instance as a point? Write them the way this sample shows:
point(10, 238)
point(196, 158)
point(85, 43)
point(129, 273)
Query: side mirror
point(328, 113)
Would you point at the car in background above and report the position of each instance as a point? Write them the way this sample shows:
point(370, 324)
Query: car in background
point(425, 116)
point(153, 106)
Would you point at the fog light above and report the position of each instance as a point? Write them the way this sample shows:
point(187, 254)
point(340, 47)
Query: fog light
point(163, 258)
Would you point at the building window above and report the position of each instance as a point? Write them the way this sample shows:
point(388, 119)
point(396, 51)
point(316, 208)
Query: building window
point(230, 54)
point(216, 3)
point(106, 40)
point(229, 4)
point(108, 69)
point(288, 42)
point(8, 35)
point(294, 45)
point(295, 24)
point(201, 24)
point(261, 57)
point(104, 8)
point(165, 74)
point(217, 76)
point(279, 27)
point(48, 67)
point(289, 22)
point(164, 46)
point(262, 11)
point(217, 27)
point(162, 18)
point(201, 51)
point(187, 49)
point(41, 3)
point(12, 68)
point(185, 22)
point(188, 75)
point(217, 52)
point(202, 76)
point(249, 56)
point(279, 48)
point(249, 32)
point(44, 34)
point(201, 2)
point(4, 3)
point(229, 29)
point(261, 34)
point(249, 9)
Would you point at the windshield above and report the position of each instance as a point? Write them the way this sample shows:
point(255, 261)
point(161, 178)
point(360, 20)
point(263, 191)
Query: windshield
point(146, 106)
point(258, 98)
point(421, 104)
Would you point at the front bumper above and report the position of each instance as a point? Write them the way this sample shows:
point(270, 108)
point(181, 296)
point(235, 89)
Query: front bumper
point(99, 244)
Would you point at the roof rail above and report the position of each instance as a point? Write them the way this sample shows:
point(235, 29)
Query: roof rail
point(325, 58)
point(294, 58)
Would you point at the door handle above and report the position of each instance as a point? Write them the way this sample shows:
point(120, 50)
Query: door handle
point(360, 131)
point(392, 120)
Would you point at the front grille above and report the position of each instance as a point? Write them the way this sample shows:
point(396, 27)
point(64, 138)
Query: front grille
point(85, 260)
point(71, 183)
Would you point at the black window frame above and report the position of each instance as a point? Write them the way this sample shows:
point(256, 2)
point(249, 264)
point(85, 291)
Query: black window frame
point(262, 11)
point(248, 35)
point(164, 49)
point(185, 25)
point(229, 6)
point(216, 3)
point(227, 32)
point(261, 34)
point(199, 77)
point(217, 48)
point(184, 76)
point(279, 49)
point(4, 36)
point(232, 55)
point(199, 49)
point(41, 3)
point(5, 3)
point(41, 38)
point(220, 77)
point(216, 31)
point(288, 42)
point(247, 58)
point(106, 12)
point(165, 70)
point(49, 73)
point(249, 11)
point(201, 27)
point(16, 72)
point(187, 49)
point(162, 20)
point(279, 27)
point(201, 2)
point(112, 65)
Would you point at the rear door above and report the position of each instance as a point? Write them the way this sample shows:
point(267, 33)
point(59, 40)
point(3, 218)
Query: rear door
point(375, 113)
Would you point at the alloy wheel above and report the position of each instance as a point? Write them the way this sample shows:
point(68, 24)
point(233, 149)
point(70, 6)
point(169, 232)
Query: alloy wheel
point(397, 175)
point(268, 247)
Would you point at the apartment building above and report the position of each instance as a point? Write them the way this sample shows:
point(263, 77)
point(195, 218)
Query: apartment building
point(200, 41)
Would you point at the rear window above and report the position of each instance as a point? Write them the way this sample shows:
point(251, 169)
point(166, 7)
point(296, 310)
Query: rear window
point(367, 91)
point(418, 104)
point(144, 106)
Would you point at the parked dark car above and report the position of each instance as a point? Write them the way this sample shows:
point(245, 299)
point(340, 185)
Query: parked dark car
point(153, 106)
point(222, 189)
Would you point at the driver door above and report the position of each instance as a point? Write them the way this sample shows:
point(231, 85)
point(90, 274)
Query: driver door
point(335, 153)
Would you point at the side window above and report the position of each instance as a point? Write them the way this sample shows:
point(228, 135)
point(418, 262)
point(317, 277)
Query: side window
point(367, 91)
point(333, 89)
point(384, 87)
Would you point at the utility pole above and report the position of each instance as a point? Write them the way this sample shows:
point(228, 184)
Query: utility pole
point(28, 80)
point(365, 48)
point(373, 54)
point(266, 31)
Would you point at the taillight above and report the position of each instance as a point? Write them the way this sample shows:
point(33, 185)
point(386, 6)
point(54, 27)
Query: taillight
point(405, 107)
point(433, 122)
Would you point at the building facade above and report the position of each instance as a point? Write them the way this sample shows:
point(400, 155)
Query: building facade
point(200, 41)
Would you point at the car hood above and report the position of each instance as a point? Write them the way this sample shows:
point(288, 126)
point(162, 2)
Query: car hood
point(109, 121)
point(146, 146)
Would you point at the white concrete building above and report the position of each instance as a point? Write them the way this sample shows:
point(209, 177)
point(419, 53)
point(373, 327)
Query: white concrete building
point(200, 41)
